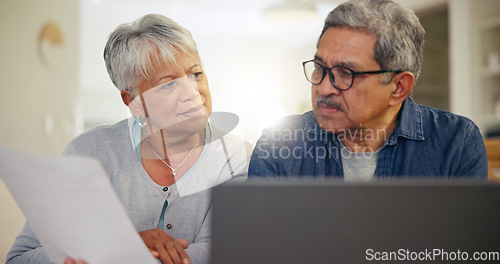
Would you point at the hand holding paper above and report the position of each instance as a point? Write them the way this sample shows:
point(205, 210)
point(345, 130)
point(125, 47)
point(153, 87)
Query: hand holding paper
point(72, 208)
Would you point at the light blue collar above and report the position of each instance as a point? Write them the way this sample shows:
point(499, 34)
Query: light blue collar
point(136, 134)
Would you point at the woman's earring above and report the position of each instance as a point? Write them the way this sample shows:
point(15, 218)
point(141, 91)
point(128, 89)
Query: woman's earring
point(138, 120)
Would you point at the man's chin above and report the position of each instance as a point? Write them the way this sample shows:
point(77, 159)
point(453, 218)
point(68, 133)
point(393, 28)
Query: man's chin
point(327, 123)
point(330, 126)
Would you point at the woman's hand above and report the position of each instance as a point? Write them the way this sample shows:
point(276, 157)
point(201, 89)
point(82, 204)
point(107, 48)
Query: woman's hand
point(148, 234)
point(168, 249)
point(72, 261)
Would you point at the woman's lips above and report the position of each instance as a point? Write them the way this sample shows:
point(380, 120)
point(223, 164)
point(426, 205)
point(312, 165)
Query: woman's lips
point(193, 111)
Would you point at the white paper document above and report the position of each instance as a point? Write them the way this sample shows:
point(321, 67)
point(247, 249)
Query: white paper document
point(72, 208)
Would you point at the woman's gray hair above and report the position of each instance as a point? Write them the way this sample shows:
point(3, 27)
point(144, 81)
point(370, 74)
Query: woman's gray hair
point(134, 50)
point(400, 36)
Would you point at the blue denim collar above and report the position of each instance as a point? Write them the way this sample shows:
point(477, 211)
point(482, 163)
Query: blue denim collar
point(312, 125)
point(409, 123)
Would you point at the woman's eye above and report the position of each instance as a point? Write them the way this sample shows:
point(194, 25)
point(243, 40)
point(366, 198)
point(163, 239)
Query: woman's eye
point(198, 75)
point(167, 87)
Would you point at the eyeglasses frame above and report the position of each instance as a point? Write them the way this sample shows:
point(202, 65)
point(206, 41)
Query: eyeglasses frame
point(332, 77)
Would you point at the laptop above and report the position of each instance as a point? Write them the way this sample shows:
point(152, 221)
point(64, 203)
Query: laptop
point(322, 221)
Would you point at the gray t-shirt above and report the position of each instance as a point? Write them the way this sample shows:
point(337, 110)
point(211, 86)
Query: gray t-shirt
point(358, 166)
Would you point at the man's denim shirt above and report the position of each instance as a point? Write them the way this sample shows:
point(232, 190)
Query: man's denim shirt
point(426, 142)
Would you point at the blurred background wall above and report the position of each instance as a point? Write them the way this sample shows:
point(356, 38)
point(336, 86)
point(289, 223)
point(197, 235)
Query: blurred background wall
point(39, 55)
point(55, 86)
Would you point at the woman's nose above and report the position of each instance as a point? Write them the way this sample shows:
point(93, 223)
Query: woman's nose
point(189, 89)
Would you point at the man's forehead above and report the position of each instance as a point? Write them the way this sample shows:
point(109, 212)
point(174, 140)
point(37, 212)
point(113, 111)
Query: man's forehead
point(344, 63)
point(345, 47)
point(347, 35)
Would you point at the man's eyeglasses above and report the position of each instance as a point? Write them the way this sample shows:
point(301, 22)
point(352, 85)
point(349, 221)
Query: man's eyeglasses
point(340, 77)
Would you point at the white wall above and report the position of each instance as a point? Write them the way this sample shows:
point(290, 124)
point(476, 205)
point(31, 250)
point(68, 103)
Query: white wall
point(31, 92)
point(461, 96)
point(472, 91)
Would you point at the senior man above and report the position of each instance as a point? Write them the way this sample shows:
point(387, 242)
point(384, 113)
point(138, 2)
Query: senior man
point(364, 124)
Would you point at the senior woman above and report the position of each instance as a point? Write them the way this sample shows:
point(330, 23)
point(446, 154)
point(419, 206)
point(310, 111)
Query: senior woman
point(163, 160)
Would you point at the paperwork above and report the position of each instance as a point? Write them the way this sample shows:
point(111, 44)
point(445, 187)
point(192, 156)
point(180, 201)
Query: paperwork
point(72, 208)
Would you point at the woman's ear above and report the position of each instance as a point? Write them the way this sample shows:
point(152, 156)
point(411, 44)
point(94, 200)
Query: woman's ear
point(133, 103)
point(404, 83)
point(126, 97)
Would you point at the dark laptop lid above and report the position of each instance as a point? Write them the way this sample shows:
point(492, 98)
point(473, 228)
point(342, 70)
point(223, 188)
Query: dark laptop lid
point(302, 221)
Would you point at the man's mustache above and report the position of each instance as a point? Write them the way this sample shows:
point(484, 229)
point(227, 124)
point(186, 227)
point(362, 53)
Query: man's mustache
point(324, 101)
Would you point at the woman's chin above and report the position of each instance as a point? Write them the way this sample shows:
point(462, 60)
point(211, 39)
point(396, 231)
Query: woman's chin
point(188, 126)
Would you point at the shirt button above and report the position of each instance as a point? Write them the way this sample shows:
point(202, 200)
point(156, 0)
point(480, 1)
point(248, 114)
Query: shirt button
point(165, 189)
point(169, 226)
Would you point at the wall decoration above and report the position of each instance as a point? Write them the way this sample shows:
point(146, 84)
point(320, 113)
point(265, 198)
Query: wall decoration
point(50, 44)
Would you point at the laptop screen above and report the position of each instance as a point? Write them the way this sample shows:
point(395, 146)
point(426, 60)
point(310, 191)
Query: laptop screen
point(306, 221)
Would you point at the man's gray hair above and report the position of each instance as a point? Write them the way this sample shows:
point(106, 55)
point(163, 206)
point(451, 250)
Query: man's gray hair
point(400, 36)
point(134, 50)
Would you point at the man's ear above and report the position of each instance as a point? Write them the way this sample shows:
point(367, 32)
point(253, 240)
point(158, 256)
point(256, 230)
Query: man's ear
point(126, 97)
point(404, 83)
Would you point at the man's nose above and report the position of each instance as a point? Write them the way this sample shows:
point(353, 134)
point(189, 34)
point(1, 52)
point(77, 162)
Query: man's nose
point(326, 88)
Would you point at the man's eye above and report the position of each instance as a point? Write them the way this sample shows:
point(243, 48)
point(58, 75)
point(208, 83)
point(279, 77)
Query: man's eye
point(344, 73)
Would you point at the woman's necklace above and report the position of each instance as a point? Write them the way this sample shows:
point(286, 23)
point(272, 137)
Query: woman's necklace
point(182, 162)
